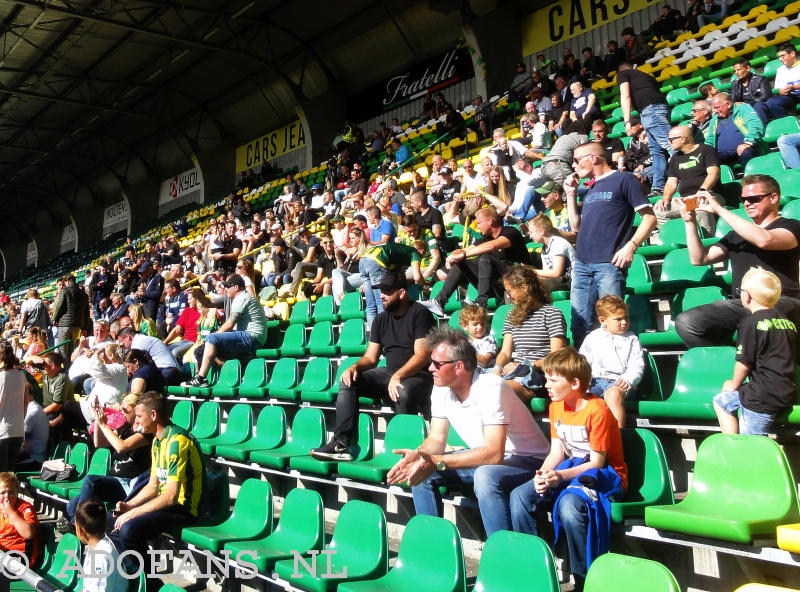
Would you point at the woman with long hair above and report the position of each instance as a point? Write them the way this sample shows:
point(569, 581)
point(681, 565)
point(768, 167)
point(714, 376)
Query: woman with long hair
point(143, 374)
point(244, 268)
point(12, 408)
point(533, 329)
point(558, 255)
point(37, 342)
point(497, 192)
point(142, 323)
point(345, 277)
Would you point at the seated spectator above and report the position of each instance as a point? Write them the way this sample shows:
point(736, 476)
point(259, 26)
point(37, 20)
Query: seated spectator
point(708, 91)
point(584, 103)
point(667, 22)
point(321, 283)
point(37, 433)
point(532, 329)
point(284, 260)
point(381, 230)
point(402, 153)
point(400, 331)
point(637, 158)
point(750, 88)
point(520, 85)
point(444, 193)
point(769, 242)
point(636, 49)
point(142, 323)
point(506, 446)
point(143, 374)
point(553, 200)
point(541, 101)
point(765, 359)
point(452, 123)
point(558, 115)
point(172, 496)
point(19, 524)
point(101, 559)
point(592, 64)
point(431, 254)
point(584, 436)
point(346, 277)
point(789, 144)
point(735, 131)
point(614, 57)
point(787, 81)
point(693, 10)
point(571, 68)
point(118, 308)
point(56, 391)
point(614, 147)
point(615, 356)
point(428, 217)
point(527, 202)
point(107, 383)
point(500, 248)
point(474, 321)
point(160, 354)
point(184, 334)
point(713, 11)
point(693, 168)
point(701, 119)
point(558, 254)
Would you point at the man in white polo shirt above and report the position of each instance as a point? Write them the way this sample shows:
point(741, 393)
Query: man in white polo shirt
point(506, 447)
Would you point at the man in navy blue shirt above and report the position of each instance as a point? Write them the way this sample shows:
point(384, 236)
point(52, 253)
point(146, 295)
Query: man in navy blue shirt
point(606, 241)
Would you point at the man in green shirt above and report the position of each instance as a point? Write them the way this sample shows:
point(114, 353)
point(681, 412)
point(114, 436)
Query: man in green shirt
point(242, 333)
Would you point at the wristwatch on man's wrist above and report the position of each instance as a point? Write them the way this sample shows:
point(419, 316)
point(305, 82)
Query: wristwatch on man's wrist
point(440, 465)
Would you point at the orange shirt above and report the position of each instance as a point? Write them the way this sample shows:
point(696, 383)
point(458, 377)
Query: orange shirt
point(10, 539)
point(592, 428)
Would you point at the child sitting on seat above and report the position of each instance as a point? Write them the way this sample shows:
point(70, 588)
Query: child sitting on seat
point(615, 355)
point(765, 352)
point(474, 320)
point(101, 560)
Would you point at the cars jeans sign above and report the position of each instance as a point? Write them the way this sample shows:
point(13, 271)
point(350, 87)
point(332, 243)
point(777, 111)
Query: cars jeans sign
point(569, 18)
point(272, 145)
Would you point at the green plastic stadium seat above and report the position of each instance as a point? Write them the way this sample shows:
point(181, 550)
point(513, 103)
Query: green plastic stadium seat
point(492, 304)
point(308, 431)
point(402, 431)
point(430, 552)
point(509, 558)
point(272, 345)
point(251, 519)
point(685, 300)
point(254, 380)
point(270, 433)
point(498, 320)
point(640, 313)
point(781, 127)
point(68, 546)
point(238, 429)
point(284, 379)
point(301, 528)
point(47, 547)
point(681, 112)
point(648, 475)
point(230, 376)
point(769, 164)
point(321, 341)
point(453, 303)
point(183, 415)
point(678, 273)
point(182, 390)
point(317, 376)
point(60, 451)
point(721, 504)
point(566, 309)
point(352, 307)
point(771, 69)
point(294, 343)
point(361, 544)
point(301, 313)
point(329, 395)
point(454, 323)
point(649, 388)
point(701, 372)
point(78, 456)
point(353, 338)
point(789, 182)
point(99, 465)
point(638, 274)
point(671, 236)
point(677, 96)
point(642, 575)
point(792, 210)
point(207, 425)
point(205, 391)
point(325, 310)
point(362, 447)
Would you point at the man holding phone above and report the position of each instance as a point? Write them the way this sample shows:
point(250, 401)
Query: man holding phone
point(693, 169)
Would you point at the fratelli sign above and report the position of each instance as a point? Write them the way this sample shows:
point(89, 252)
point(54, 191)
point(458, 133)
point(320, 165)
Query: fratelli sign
point(569, 18)
point(429, 76)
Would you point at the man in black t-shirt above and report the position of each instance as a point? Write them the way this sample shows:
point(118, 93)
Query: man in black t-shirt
point(500, 247)
point(693, 168)
point(428, 217)
point(231, 249)
point(640, 91)
point(399, 332)
point(614, 147)
point(769, 241)
point(444, 194)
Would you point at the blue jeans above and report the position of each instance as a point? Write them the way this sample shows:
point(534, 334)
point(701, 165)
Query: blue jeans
point(108, 489)
point(179, 348)
point(655, 120)
point(532, 201)
point(572, 510)
point(372, 273)
point(590, 282)
point(751, 423)
point(233, 343)
point(493, 485)
point(779, 105)
point(789, 146)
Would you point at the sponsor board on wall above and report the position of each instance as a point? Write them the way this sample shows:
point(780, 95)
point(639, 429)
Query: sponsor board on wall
point(569, 18)
point(272, 145)
point(32, 256)
point(181, 185)
point(69, 237)
point(412, 83)
point(115, 215)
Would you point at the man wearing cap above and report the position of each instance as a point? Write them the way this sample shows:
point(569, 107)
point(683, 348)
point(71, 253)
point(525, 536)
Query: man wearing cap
point(520, 85)
point(380, 260)
point(399, 332)
point(151, 287)
point(552, 195)
point(389, 188)
point(284, 260)
point(483, 263)
point(444, 193)
point(242, 333)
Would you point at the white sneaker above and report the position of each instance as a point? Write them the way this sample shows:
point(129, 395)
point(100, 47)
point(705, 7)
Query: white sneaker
point(433, 306)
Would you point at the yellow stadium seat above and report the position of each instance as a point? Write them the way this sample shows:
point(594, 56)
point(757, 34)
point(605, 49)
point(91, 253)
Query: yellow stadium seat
point(791, 9)
point(423, 172)
point(429, 158)
point(406, 177)
point(786, 35)
point(763, 588)
point(764, 18)
point(752, 45)
point(472, 137)
point(734, 18)
point(789, 538)
point(754, 12)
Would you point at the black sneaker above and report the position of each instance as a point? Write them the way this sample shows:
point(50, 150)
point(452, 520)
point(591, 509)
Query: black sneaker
point(333, 450)
point(63, 526)
point(197, 381)
point(656, 193)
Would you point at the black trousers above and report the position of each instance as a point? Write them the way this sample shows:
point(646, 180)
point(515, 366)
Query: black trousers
point(484, 273)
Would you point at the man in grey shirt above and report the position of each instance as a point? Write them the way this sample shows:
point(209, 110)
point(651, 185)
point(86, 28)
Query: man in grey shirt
point(557, 165)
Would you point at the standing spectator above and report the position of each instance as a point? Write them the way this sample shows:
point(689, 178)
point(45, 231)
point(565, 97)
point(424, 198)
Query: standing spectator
point(557, 165)
point(380, 260)
point(592, 64)
point(642, 92)
point(100, 287)
point(614, 57)
point(400, 331)
point(769, 242)
point(636, 48)
point(606, 241)
point(751, 89)
point(506, 447)
point(693, 168)
point(33, 313)
point(735, 131)
point(150, 289)
point(12, 408)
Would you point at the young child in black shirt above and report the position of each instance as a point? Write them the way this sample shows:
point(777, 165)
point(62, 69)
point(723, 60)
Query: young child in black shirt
point(764, 356)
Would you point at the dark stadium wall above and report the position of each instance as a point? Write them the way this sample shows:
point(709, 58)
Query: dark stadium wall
point(90, 225)
point(143, 202)
point(497, 38)
point(216, 165)
point(15, 254)
point(48, 242)
point(322, 118)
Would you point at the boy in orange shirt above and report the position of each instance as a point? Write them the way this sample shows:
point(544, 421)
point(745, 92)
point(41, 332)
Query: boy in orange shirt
point(19, 525)
point(581, 428)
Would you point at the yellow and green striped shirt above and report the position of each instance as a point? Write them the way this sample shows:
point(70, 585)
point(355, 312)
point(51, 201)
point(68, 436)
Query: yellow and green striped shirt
point(177, 457)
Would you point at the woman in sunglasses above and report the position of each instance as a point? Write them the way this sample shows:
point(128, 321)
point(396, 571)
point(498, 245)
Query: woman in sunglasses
point(345, 278)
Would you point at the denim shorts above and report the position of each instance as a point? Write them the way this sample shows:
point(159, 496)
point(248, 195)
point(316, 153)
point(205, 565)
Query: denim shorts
point(599, 386)
point(533, 380)
point(750, 422)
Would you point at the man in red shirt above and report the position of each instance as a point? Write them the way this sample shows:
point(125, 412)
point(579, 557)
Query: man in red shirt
point(184, 334)
point(19, 525)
